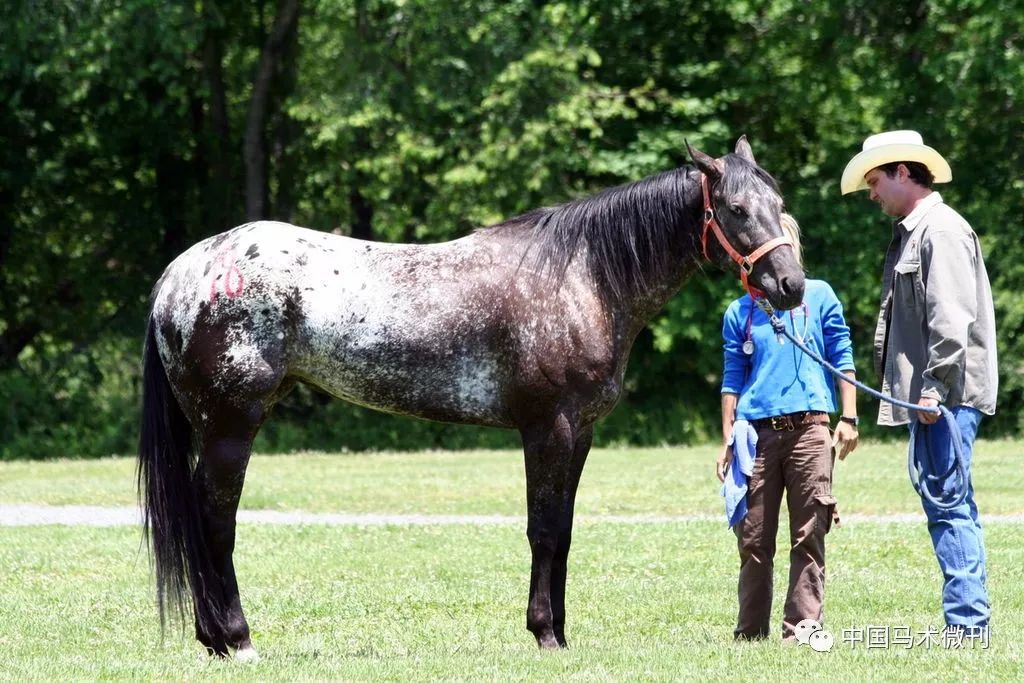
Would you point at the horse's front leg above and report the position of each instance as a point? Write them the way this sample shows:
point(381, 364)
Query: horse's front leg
point(548, 449)
point(559, 567)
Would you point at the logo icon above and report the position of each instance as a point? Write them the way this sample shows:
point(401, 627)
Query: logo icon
point(810, 632)
point(821, 641)
point(804, 630)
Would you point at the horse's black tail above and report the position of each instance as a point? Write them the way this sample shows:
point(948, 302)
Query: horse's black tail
point(171, 507)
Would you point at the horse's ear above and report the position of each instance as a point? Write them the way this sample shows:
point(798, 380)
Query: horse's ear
point(743, 149)
point(712, 168)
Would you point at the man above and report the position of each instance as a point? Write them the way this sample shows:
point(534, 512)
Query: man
point(935, 342)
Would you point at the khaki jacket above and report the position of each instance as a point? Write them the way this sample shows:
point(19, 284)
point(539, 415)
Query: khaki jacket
point(936, 332)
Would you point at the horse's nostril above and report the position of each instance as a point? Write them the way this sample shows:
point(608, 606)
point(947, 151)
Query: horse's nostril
point(791, 286)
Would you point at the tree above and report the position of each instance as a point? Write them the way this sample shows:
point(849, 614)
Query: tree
point(282, 33)
point(133, 129)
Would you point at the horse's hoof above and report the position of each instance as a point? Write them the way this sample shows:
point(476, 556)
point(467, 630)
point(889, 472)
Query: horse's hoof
point(560, 636)
point(247, 655)
point(548, 642)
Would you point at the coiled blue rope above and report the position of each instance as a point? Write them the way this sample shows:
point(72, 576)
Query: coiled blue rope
point(920, 477)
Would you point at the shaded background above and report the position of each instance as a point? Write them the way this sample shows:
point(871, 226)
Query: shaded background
point(129, 129)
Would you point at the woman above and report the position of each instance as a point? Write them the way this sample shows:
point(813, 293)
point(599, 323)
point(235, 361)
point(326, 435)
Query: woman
point(784, 397)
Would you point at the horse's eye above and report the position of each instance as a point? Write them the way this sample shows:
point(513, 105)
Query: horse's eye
point(737, 210)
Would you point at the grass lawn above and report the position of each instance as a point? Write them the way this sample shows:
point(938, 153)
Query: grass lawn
point(665, 481)
point(645, 601)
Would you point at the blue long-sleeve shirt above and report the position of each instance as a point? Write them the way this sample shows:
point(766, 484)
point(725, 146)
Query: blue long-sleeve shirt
point(779, 379)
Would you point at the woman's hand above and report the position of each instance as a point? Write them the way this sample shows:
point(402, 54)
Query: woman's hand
point(844, 439)
point(724, 460)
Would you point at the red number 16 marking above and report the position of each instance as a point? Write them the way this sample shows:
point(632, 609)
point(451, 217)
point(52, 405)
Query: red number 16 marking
point(226, 269)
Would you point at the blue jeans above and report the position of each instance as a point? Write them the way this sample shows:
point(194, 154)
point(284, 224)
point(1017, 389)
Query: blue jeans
point(956, 533)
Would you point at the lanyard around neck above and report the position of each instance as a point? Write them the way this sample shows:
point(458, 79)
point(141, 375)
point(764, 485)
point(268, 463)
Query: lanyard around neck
point(748, 337)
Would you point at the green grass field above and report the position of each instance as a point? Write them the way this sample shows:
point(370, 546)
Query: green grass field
point(652, 601)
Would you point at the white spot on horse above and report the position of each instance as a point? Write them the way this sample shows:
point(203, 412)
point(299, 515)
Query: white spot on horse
point(476, 383)
point(247, 655)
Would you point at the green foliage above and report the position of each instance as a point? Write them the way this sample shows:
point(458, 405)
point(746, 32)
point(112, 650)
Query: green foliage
point(69, 403)
point(415, 120)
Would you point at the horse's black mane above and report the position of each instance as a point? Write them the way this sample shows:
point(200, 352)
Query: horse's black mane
point(630, 233)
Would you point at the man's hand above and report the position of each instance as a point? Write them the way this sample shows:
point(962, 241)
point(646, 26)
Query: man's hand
point(724, 460)
point(845, 439)
point(928, 418)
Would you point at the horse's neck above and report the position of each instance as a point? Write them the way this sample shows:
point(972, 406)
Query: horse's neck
point(636, 311)
point(633, 315)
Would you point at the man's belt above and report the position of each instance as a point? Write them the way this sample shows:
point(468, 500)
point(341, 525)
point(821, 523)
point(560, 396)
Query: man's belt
point(791, 421)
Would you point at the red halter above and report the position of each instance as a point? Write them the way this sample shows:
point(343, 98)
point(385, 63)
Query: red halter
point(746, 263)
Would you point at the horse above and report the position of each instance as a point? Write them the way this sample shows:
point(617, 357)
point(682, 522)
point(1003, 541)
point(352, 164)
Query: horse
point(525, 325)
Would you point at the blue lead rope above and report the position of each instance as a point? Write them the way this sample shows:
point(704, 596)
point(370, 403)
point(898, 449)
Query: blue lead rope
point(916, 467)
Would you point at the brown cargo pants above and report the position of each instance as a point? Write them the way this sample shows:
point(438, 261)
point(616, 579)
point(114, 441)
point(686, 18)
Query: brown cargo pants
point(800, 462)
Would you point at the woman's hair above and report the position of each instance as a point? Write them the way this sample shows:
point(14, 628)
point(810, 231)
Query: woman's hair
point(791, 229)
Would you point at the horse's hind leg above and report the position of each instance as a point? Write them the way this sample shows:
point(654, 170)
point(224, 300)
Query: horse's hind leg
point(220, 622)
point(560, 564)
point(548, 448)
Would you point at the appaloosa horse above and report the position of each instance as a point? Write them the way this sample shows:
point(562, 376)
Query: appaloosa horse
point(524, 325)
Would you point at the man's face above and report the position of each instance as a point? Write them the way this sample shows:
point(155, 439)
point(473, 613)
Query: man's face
point(889, 192)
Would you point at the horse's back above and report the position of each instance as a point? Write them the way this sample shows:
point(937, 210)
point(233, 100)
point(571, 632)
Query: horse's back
point(456, 331)
point(403, 328)
point(410, 329)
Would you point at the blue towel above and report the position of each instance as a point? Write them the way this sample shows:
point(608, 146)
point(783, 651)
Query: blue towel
point(744, 450)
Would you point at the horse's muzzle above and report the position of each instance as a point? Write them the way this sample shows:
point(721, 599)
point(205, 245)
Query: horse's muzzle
point(782, 280)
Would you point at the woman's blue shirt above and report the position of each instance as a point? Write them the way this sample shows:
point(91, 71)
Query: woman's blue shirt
point(779, 379)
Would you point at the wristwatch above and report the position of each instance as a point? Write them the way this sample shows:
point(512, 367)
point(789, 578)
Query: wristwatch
point(850, 420)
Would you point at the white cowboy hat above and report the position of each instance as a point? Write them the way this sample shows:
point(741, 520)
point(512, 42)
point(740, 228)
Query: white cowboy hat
point(894, 145)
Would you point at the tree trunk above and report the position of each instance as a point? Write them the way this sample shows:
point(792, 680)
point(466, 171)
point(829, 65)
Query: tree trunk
point(362, 214)
point(255, 149)
point(218, 190)
point(286, 131)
